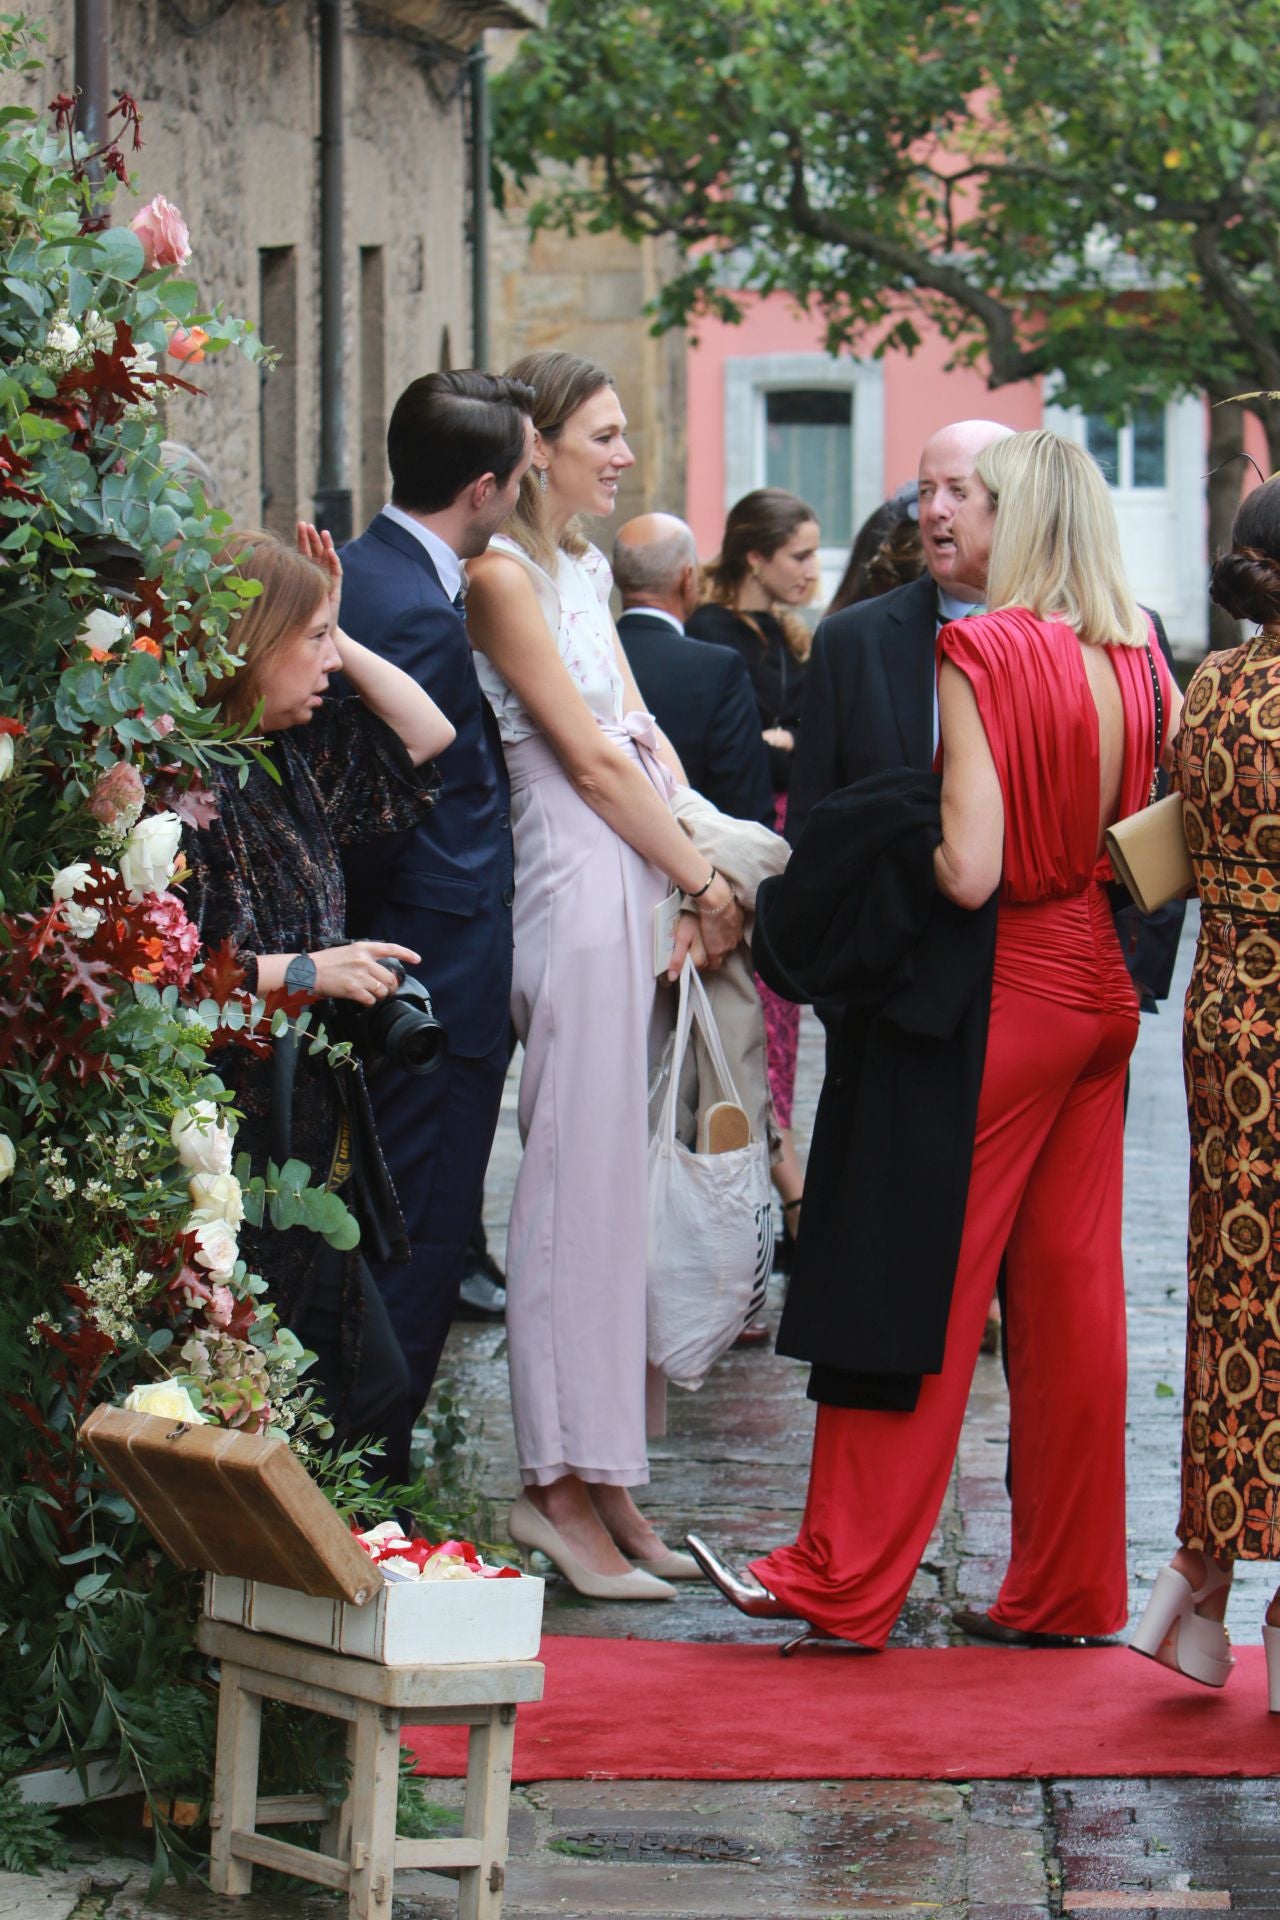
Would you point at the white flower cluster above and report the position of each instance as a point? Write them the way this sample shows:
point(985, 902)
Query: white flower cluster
point(115, 1295)
point(66, 344)
point(147, 864)
point(202, 1141)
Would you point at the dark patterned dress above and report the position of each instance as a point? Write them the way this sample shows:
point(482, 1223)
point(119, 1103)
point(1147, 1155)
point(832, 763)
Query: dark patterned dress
point(267, 876)
point(1229, 776)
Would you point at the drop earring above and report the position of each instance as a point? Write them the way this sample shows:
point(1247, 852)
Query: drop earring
point(542, 478)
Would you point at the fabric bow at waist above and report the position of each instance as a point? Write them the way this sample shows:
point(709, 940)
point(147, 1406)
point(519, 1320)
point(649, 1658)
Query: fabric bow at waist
point(637, 734)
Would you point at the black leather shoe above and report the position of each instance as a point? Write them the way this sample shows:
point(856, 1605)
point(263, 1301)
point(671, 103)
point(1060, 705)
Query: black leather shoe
point(741, 1590)
point(979, 1625)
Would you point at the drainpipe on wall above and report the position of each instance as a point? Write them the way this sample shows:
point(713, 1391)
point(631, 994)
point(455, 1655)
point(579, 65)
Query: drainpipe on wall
point(478, 64)
point(92, 75)
point(332, 497)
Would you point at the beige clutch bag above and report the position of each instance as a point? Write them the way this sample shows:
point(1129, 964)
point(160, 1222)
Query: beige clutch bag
point(1149, 854)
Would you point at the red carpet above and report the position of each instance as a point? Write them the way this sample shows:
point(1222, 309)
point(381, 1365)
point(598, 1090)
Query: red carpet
point(664, 1710)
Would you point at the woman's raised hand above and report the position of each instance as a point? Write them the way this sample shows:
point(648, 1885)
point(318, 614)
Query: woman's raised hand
point(352, 972)
point(319, 547)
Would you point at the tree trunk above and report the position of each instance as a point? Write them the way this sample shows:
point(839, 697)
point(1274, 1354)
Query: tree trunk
point(1227, 473)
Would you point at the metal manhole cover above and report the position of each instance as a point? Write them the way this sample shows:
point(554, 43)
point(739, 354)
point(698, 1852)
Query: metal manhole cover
point(656, 1846)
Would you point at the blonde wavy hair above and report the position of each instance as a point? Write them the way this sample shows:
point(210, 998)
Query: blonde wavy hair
point(1055, 547)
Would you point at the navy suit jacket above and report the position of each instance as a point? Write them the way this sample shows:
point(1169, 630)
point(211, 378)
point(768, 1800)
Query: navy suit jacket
point(701, 696)
point(445, 888)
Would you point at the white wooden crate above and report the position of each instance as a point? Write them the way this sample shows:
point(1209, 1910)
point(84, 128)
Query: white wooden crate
point(405, 1623)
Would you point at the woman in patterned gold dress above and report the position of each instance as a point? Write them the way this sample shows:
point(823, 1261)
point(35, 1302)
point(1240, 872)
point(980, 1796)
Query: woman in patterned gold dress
point(1228, 770)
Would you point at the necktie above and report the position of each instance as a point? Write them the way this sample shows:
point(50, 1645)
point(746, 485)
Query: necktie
point(460, 604)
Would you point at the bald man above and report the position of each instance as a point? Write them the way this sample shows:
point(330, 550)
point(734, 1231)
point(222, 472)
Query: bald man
point(699, 694)
point(871, 697)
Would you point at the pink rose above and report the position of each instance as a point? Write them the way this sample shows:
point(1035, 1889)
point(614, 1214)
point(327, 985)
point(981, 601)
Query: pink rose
point(163, 233)
point(117, 799)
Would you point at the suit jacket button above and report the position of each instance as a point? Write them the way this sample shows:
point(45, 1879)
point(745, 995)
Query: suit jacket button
point(504, 819)
point(508, 895)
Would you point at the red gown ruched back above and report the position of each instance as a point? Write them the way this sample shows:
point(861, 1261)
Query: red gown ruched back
point(1044, 1193)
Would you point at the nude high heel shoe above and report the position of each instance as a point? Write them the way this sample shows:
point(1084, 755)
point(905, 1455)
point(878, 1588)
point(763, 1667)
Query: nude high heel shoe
point(1172, 1632)
point(529, 1527)
point(1271, 1642)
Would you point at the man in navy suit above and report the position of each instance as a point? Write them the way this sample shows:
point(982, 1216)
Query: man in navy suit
point(699, 694)
point(458, 446)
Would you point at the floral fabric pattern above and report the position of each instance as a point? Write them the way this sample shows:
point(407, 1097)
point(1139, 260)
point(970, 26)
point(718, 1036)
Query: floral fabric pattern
point(1229, 776)
point(576, 608)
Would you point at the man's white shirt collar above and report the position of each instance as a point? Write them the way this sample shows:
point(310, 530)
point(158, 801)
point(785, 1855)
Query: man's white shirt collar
point(656, 613)
point(452, 573)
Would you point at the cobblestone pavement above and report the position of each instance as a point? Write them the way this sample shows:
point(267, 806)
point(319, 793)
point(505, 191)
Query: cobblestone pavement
point(735, 1462)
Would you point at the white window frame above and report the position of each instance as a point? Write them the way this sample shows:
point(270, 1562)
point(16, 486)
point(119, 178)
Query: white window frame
point(747, 382)
point(1185, 611)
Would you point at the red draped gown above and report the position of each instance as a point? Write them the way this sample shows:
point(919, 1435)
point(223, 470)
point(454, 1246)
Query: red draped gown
point(1044, 1193)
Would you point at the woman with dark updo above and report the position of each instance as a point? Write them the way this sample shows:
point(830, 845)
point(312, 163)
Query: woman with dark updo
point(1228, 772)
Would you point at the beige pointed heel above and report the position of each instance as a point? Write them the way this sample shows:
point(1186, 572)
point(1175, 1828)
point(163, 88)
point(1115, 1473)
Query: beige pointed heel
point(529, 1527)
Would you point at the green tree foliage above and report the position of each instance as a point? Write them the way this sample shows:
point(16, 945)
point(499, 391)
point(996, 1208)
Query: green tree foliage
point(1090, 188)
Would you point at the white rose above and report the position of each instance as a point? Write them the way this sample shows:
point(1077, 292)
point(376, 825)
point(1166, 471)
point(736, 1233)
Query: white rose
point(82, 922)
point(202, 1138)
point(216, 1196)
point(151, 854)
point(63, 337)
point(216, 1247)
point(8, 1156)
point(103, 630)
point(6, 755)
point(166, 1398)
point(142, 360)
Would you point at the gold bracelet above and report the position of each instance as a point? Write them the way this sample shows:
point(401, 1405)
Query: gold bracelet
point(724, 906)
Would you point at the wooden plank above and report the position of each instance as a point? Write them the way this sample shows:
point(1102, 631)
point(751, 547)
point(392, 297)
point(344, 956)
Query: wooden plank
point(435, 1856)
point(290, 1809)
point(235, 1782)
point(484, 1814)
point(474, 1684)
point(263, 1851)
point(230, 1501)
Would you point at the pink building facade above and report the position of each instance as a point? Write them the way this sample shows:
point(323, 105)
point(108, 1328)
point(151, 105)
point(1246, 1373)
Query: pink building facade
point(768, 406)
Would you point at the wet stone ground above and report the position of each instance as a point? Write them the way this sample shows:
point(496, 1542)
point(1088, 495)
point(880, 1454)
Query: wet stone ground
point(734, 1464)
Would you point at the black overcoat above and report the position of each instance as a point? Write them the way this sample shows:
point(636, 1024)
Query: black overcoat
point(857, 918)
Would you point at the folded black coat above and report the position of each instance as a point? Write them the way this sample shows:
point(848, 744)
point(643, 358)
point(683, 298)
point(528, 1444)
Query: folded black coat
point(857, 917)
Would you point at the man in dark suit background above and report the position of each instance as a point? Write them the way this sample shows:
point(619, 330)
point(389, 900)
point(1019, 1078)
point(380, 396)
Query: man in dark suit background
point(699, 694)
point(871, 698)
point(458, 445)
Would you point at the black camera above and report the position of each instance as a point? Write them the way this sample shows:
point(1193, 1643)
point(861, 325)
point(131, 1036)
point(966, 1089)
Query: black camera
point(402, 1030)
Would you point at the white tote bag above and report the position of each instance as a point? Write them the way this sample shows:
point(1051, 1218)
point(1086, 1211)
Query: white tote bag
point(710, 1220)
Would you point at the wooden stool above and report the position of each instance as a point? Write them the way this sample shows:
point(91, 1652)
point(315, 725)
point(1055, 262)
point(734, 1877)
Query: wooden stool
point(360, 1851)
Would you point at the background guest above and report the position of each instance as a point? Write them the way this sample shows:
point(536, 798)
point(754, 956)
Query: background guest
point(597, 850)
point(768, 565)
point(887, 551)
point(1224, 771)
point(266, 875)
point(458, 445)
point(700, 695)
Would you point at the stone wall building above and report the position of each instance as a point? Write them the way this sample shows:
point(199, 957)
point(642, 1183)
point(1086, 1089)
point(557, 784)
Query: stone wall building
point(587, 294)
point(230, 92)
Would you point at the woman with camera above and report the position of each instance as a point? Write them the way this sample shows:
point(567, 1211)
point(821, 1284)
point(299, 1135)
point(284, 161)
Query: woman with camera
point(266, 882)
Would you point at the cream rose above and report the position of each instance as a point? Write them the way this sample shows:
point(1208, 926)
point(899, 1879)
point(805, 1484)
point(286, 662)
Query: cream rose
point(151, 854)
point(82, 922)
point(168, 1400)
point(6, 755)
point(163, 233)
point(216, 1196)
point(62, 336)
point(216, 1247)
point(202, 1138)
point(103, 630)
point(8, 1156)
